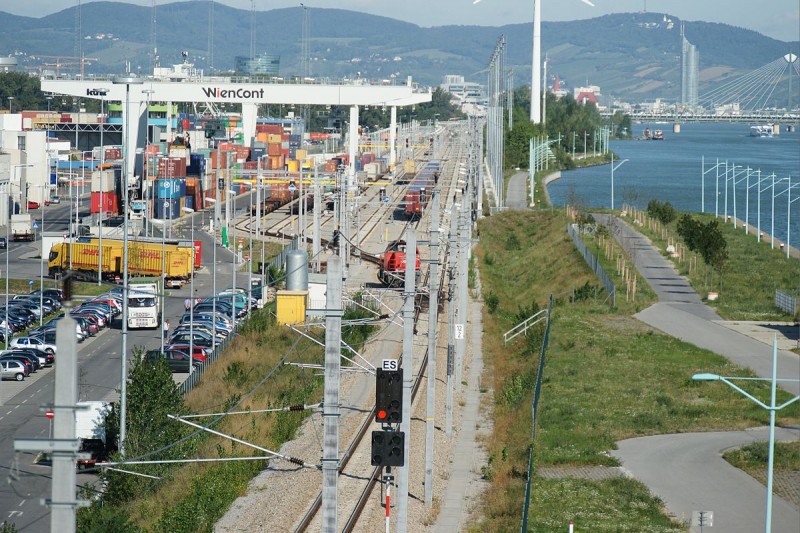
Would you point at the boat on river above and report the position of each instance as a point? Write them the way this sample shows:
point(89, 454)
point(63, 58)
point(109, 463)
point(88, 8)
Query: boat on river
point(762, 130)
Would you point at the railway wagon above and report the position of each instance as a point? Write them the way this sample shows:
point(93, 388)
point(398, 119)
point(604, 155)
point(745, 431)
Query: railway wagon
point(144, 259)
point(392, 269)
point(419, 192)
point(279, 195)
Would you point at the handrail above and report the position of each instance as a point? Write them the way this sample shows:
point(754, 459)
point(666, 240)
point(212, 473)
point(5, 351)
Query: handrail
point(525, 325)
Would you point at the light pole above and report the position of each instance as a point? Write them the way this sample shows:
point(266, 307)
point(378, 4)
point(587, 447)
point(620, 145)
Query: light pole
point(41, 263)
point(613, 168)
point(123, 387)
point(8, 242)
point(102, 93)
point(190, 212)
point(235, 256)
point(772, 408)
point(10, 100)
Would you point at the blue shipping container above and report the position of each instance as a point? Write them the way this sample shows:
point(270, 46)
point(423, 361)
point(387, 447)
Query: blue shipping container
point(190, 202)
point(169, 188)
point(167, 208)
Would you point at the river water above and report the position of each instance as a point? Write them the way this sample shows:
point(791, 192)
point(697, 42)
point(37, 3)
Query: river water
point(672, 171)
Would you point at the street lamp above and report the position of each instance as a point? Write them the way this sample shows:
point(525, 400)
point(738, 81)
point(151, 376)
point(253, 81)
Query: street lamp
point(127, 81)
point(772, 408)
point(235, 257)
point(8, 241)
point(190, 212)
point(102, 93)
point(613, 168)
point(41, 262)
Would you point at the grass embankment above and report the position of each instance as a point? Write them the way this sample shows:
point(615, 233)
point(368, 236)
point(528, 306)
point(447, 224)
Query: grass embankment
point(751, 274)
point(607, 377)
point(251, 375)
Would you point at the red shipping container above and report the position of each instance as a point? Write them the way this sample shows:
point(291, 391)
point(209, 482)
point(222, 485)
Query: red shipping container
point(172, 167)
point(285, 152)
point(250, 165)
point(223, 146)
point(113, 154)
point(223, 160)
point(110, 204)
point(241, 152)
point(269, 128)
point(273, 149)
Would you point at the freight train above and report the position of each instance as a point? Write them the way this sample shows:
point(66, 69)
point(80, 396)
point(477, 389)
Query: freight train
point(177, 264)
point(392, 268)
point(420, 190)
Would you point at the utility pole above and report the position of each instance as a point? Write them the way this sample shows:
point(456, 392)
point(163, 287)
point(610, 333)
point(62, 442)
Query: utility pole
point(451, 264)
point(433, 313)
point(408, 377)
point(316, 239)
point(330, 413)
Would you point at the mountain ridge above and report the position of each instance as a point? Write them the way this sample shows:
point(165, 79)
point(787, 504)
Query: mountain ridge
point(634, 56)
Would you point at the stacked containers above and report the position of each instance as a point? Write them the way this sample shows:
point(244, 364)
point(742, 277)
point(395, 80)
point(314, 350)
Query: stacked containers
point(103, 185)
point(168, 199)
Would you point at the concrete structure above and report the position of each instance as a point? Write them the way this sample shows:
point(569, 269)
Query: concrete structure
point(184, 84)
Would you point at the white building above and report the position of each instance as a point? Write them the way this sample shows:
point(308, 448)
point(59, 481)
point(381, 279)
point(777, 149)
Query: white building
point(465, 91)
point(24, 166)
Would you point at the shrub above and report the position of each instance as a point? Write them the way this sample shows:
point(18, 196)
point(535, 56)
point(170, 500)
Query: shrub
point(492, 301)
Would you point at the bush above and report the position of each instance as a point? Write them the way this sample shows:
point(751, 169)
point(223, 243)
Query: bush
point(492, 301)
point(663, 212)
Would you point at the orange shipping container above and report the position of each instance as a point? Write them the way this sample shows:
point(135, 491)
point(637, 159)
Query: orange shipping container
point(274, 149)
point(262, 137)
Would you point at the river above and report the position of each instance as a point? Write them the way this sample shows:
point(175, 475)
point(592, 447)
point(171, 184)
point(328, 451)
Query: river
point(672, 171)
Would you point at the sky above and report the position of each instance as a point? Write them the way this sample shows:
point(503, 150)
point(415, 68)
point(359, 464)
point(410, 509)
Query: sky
point(779, 19)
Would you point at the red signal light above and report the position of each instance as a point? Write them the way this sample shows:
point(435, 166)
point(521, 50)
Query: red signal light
point(381, 414)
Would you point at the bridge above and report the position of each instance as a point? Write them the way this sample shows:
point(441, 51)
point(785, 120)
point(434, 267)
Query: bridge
point(770, 93)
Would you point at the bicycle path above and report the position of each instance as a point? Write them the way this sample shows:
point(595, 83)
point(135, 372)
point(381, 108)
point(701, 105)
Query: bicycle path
point(687, 470)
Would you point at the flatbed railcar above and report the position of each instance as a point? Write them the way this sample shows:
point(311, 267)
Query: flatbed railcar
point(419, 192)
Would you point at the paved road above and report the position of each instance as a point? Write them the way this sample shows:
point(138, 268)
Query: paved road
point(99, 361)
point(517, 193)
point(687, 472)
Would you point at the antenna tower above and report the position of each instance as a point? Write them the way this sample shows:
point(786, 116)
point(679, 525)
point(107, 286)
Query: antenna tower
point(252, 30)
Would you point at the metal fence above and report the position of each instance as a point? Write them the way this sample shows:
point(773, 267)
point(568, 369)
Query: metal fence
point(786, 302)
point(537, 392)
point(593, 263)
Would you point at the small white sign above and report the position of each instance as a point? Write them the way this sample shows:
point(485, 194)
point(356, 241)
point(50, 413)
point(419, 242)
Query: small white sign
point(459, 331)
point(390, 364)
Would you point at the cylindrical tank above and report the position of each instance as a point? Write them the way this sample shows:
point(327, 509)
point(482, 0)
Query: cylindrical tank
point(297, 270)
point(676, 128)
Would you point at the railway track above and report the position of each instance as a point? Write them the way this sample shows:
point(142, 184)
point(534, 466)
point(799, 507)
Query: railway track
point(367, 425)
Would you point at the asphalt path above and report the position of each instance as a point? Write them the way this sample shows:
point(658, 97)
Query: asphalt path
point(517, 193)
point(99, 363)
point(688, 473)
point(687, 470)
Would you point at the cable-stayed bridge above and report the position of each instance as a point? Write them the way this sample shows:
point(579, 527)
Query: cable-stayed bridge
point(769, 93)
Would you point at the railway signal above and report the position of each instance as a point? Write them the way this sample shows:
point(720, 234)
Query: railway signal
point(387, 448)
point(388, 396)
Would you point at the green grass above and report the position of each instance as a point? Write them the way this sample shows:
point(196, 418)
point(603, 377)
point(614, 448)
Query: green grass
point(607, 377)
point(753, 460)
point(752, 274)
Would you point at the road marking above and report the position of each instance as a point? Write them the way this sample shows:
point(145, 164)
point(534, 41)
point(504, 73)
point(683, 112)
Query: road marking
point(22, 503)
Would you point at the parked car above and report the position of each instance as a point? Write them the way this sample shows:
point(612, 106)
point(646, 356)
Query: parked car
point(55, 199)
point(33, 205)
point(177, 360)
point(199, 353)
point(57, 294)
point(29, 362)
point(3, 243)
point(43, 358)
point(33, 342)
point(198, 338)
point(12, 369)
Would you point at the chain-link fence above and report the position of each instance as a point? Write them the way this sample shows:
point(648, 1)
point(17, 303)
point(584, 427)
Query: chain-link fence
point(593, 263)
point(786, 302)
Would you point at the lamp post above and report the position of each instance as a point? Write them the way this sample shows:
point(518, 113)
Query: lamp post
point(613, 168)
point(41, 263)
point(235, 255)
point(102, 93)
point(772, 408)
point(10, 100)
point(190, 212)
point(123, 387)
point(8, 242)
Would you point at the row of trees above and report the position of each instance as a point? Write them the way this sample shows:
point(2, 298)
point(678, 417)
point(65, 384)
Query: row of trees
point(565, 119)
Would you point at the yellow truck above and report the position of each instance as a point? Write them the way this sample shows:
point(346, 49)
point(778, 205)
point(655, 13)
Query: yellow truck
point(144, 259)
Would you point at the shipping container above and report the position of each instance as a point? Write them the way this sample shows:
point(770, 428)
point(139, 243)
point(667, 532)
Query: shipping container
point(103, 180)
point(168, 188)
point(172, 167)
point(167, 208)
point(109, 205)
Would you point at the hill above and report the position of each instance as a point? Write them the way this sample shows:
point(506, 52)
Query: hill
point(634, 56)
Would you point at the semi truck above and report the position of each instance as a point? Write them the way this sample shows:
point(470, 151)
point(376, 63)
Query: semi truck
point(144, 303)
point(90, 429)
point(175, 264)
point(21, 227)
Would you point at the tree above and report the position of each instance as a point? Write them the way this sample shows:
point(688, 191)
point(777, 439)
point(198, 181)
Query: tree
point(152, 395)
point(707, 240)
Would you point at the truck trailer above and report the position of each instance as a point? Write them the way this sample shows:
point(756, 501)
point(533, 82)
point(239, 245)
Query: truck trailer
point(22, 227)
point(144, 259)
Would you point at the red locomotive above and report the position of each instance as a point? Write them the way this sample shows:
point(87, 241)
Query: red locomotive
point(392, 269)
point(420, 190)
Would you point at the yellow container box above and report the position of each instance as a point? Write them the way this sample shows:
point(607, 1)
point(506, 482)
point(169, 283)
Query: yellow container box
point(291, 306)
